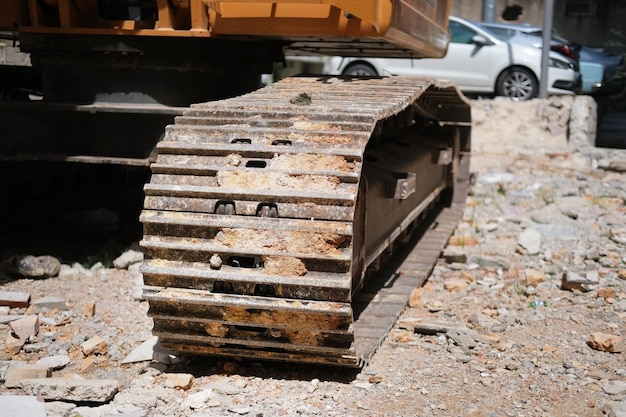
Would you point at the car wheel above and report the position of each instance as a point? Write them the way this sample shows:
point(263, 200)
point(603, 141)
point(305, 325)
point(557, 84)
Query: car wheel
point(360, 69)
point(519, 84)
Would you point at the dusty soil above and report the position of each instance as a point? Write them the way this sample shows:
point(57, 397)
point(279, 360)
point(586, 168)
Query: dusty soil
point(524, 315)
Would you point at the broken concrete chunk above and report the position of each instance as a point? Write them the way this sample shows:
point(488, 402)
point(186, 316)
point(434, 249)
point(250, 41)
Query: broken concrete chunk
point(48, 304)
point(25, 326)
point(22, 405)
point(20, 371)
point(95, 345)
point(14, 299)
point(180, 381)
point(143, 352)
point(12, 344)
point(572, 281)
point(72, 389)
point(54, 362)
point(530, 240)
point(606, 342)
point(128, 258)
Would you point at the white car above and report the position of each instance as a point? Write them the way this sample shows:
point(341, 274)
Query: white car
point(478, 62)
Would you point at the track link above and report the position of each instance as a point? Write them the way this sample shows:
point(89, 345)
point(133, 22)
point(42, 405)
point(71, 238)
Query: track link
point(255, 231)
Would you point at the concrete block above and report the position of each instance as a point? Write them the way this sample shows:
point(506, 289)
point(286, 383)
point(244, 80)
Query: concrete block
point(25, 326)
point(72, 389)
point(14, 299)
point(17, 373)
point(21, 406)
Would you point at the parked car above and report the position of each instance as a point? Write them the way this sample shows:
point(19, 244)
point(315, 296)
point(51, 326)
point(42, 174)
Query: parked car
point(478, 62)
point(597, 68)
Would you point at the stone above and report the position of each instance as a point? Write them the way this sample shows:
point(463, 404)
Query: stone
point(534, 277)
point(22, 406)
point(8, 318)
point(20, 371)
point(90, 309)
point(55, 361)
point(14, 299)
point(143, 352)
point(25, 326)
point(455, 284)
point(615, 388)
point(198, 399)
point(95, 345)
point(88, 364)
point(606, 342)
point(128, 258)
point(72, 389)
point(572, 281)
point(179, 381)
point(12, 344)
point(530, 239)
point(615, 408)
point(49, 303)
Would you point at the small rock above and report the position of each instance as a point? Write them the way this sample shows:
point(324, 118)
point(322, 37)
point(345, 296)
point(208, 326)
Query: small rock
point(13, 345)
point(606, 342)
point(54, 362)
point(180, 381)
point(20, 371)
point(26, 326)
point(49, 303)
point(530, 240)
point(95, 345)
point(572, 281)
point(128, 258)
point(198, 399)
point(615, 388)
point(143, 352)
point(534, 277)
point(90, 309)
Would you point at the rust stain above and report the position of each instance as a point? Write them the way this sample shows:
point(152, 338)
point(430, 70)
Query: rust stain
point(284, 266)
point(215, 329)
point(275, 180)
point(313, 162)
point(307, 242)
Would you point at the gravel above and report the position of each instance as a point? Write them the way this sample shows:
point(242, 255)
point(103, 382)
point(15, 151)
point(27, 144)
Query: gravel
point(524, 314)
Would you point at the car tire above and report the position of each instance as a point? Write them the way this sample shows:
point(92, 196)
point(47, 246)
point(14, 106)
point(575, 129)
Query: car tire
point(519, 84)
point(360, 69)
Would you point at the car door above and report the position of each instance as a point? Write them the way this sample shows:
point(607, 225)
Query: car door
point(467, 62)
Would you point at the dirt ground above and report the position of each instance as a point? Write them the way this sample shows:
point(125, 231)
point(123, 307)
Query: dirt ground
point(524, 314)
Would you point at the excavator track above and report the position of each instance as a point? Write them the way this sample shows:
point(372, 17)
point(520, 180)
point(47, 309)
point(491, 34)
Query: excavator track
point(269, 216)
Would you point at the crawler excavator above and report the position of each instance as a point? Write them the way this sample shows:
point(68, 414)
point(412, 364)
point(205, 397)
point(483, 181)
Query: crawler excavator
point(270, 212)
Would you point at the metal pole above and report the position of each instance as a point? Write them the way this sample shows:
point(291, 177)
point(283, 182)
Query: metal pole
point(545, 51)
point(489, 10)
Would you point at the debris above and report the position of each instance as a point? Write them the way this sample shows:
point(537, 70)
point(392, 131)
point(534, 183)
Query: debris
point(72, 389)
point(606, 342)
point(127, 259)
point(14, 299)
point(179, 381)
point(21, 406)
point(530, 239)
point(95, 345)
point(17, 372)
point(572, 281)
point(48, 304)
point(25, 326)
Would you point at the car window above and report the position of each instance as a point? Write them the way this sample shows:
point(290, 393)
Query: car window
point(503, 34)
point(459, 33)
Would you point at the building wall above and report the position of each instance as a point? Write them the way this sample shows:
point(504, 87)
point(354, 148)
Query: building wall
point(598, 23)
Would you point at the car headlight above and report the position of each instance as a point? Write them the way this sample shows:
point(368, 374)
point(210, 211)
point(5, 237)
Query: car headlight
point(557, 63)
